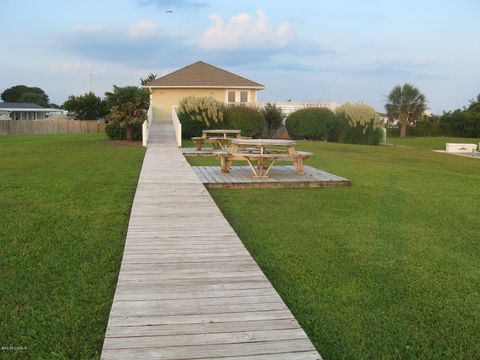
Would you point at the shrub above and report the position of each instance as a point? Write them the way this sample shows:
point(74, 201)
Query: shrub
point(116, 132)
point(137, 132)
point(246, 118)
point(360, 124)
point(393, 132)
point(428, 126)
point(273, 116)
point(312, 123)
point(199, 113)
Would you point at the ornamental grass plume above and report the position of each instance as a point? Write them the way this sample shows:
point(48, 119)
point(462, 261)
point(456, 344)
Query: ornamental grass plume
point(204, 109)
point(361, 115)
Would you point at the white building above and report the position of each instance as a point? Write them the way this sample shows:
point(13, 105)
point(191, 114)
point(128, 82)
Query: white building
point(26, 111)
point(289, 107)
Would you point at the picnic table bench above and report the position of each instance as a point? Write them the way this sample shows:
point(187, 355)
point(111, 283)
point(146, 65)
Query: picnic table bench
point(261, 155)
point(219, 138)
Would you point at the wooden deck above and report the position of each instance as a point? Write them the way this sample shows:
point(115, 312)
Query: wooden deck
point(188, 288)
point(240, 177)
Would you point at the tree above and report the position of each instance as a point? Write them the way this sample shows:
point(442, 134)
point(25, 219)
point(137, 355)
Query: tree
point(475, 104)
point(406, 104)
point(462, 122)
point(33, 98)
point(123, 95)
point(86, 107)
point(126, 115)
point(273, 117)
point(22, 93)
point(149, 78)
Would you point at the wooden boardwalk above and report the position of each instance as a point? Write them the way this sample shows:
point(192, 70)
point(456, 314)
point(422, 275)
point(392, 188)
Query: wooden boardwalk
point(188, 288)
point(240, 177)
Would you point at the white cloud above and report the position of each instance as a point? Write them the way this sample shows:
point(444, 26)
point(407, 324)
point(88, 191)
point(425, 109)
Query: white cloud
point(245, 31)
point(142, 29)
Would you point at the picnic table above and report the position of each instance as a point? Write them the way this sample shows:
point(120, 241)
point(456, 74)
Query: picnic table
point(261, 155)
point(219, 138)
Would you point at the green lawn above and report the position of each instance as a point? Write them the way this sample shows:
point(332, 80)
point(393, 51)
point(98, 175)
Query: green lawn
point(388, 268)
point(385, 269)
point(64, 207)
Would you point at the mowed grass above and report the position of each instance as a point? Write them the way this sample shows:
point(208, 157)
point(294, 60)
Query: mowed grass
point(64, 207)
point(386, 269)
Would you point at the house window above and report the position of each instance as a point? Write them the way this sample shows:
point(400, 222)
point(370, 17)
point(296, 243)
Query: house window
point(231, 97)
point(237, 96)
point(243, 96)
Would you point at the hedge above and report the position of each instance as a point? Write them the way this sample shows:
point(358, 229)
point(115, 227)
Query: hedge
point(312, 123)
point(116, 132)
point(245, 118)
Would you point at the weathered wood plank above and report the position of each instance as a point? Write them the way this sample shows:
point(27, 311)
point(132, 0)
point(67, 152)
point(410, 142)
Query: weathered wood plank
point(176, 310)
point(211, 351)
point(207, 328)
point(304, 355)
point(198, 318)
point(193, 303)
point(189, 293)
point(203, 339)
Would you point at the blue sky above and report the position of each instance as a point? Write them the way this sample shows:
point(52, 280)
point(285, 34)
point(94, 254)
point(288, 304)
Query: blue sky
point(341, 51)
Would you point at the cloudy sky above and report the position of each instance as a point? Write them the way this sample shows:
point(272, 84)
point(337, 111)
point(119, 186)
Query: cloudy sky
point(307, 50)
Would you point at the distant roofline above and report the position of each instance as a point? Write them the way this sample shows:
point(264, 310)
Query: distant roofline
point(202, 87)
point(31, 109)
point(201, 75)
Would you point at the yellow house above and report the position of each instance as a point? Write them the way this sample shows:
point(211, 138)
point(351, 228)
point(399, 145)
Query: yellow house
point(199, 79)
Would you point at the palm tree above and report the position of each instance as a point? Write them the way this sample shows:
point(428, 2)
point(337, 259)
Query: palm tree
point(406, 104)
point(148, 79)
point(122, 95)
point(126, 115)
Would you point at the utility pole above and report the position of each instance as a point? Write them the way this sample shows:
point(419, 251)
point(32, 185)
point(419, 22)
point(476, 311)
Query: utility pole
point(91, 80)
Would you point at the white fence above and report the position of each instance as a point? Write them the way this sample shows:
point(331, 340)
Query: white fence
point(177, 126)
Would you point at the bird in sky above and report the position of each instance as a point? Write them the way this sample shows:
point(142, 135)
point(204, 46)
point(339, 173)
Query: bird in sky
point(169, 11)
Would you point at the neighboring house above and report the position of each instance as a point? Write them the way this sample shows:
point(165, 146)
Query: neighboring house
point(199, 79)
point(25, 111)
point(394, 123)
point(384, 119)
point(289, 107)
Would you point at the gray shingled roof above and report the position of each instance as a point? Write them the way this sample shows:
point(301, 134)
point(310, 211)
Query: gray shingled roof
point(201, 74)
point(12, 105)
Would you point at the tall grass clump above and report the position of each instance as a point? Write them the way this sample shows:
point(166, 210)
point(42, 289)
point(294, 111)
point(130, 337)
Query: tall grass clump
point(359, 124)
point(200, 113)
